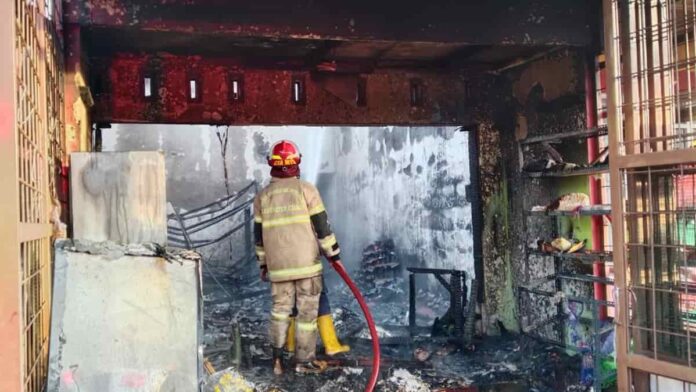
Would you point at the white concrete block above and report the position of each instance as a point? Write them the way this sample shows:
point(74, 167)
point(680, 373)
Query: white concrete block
point(119, 196)
point(124, 323)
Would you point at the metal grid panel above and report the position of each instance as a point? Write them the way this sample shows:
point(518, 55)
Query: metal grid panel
point(31, 134)
point(40, 150)
point(55, 110)
point(54, 101)
point(35, 263)
point(661, 261)
point(651, 78)
point(657, 74)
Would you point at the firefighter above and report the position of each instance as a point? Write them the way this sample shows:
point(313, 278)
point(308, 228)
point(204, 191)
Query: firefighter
point(290, 227)
point(327, 331)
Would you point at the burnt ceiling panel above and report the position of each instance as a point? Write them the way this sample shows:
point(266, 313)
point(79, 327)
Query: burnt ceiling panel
point(360, 49)
point(353, 56)
point(421, 51)
point(111, 40)
point(493, 22)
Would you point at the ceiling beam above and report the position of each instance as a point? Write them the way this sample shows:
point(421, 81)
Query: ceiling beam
point(493, 22)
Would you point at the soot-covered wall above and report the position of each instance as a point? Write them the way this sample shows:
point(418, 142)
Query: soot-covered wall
point(401, 183)
point(543, 97)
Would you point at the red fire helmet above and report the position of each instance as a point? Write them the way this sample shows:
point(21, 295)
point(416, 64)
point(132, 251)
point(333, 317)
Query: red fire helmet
point(284, 153)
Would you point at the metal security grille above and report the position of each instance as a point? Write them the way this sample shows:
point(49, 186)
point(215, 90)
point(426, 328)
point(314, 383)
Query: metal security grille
point(31, 125)
point(661, 252)
point(55, 106)
point(40, 149)
point(658, 74)
point(35, 259)
point(651, 73)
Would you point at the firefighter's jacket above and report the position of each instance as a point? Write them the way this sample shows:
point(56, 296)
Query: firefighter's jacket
point(291, 229)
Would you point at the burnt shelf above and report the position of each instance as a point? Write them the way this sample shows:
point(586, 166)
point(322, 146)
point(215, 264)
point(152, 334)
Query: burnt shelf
point(585, 257)
point(571, 298)
point(583, 134)
point(582, 171)
point(602, 331)
point(564, 318)
point(565, 276)
point(586, 278)
point(598, 209)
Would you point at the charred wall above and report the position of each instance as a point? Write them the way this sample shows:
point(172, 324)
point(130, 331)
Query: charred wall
point(403, 184)
point(542, 97)
point(267, 94)
point(495, 122)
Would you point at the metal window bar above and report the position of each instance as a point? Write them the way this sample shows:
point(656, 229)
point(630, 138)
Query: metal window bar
point(657, 75)
point(662, 261)
point(226, 209)
point(217, 205)
point(650, 73)
point(204, 224)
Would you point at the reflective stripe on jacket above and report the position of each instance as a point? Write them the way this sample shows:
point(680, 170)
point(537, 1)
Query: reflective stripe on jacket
point(291, 226)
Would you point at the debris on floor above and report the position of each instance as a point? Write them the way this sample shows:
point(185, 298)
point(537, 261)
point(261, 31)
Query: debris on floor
point(228, 380)
point(506, 363)
point(407, 382)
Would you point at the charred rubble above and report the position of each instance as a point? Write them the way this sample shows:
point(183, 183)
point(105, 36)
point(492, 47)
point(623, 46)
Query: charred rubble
point(236, 323)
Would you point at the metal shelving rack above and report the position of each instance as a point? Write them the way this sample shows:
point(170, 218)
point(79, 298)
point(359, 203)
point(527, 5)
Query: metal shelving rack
point(580, 171)
point(597, 330)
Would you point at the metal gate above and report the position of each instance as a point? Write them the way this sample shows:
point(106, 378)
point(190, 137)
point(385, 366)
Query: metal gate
point(32, 148)
point(651, 73)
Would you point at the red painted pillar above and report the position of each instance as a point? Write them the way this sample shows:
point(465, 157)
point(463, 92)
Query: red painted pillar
point(595, 184)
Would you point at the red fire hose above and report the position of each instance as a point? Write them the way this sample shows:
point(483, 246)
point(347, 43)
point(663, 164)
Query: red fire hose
point(370, 324)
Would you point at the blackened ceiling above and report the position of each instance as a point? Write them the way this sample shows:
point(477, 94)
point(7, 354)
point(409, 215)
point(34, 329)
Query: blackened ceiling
point(358, 34)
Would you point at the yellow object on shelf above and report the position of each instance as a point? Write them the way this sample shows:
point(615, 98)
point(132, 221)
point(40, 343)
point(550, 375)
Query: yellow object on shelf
point(577, 246)
point(561, 244)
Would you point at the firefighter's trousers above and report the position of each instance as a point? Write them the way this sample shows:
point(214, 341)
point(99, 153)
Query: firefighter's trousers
point(304, 294)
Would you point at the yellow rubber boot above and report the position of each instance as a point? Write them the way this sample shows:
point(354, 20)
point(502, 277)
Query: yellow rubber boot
point(328, 336)
point(290, 340)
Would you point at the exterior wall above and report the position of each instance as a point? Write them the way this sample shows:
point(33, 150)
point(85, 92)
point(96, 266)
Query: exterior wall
point(403, 183)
